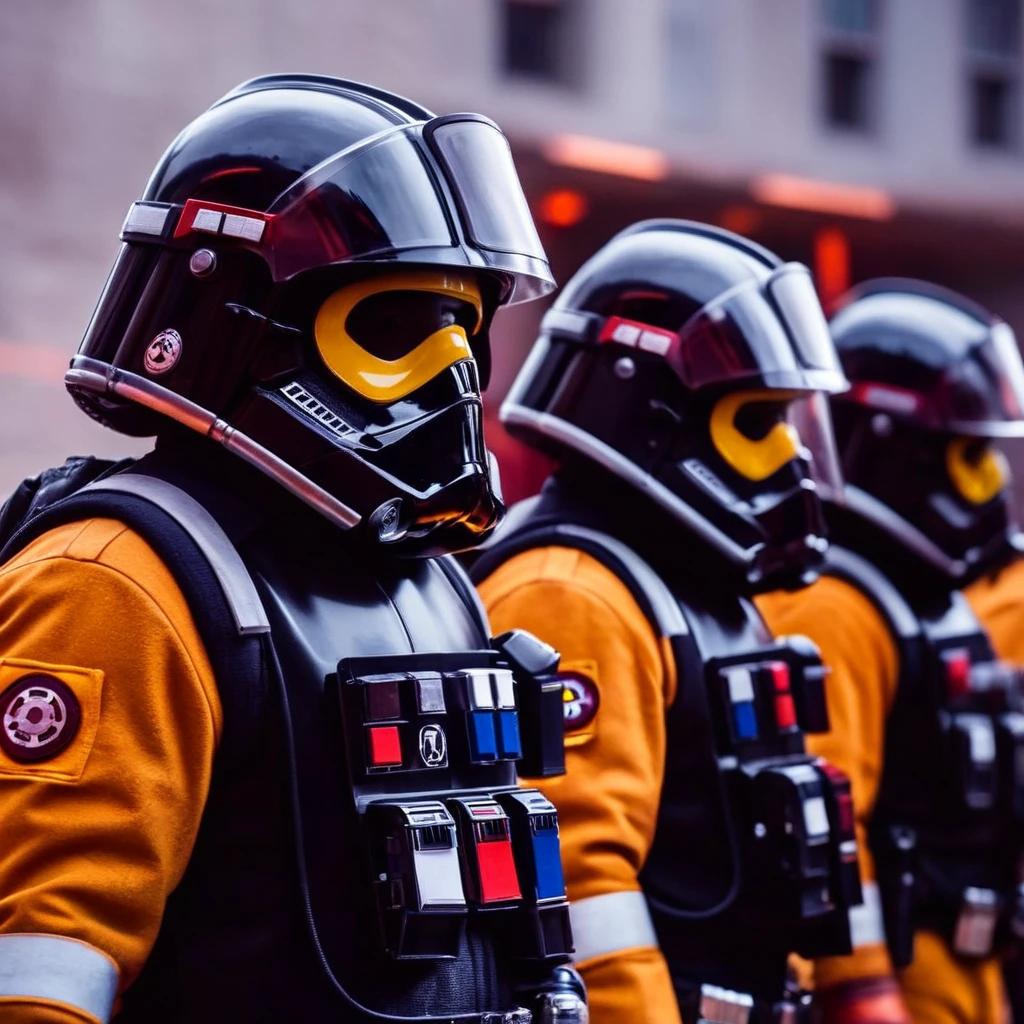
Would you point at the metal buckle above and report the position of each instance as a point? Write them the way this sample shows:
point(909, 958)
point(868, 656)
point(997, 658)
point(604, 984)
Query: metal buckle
point(976, 923)
point(562, 1008)
point(723, 1006)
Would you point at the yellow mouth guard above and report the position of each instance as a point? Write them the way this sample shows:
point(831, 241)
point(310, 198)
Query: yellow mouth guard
point(387, 380)
point(754, 459)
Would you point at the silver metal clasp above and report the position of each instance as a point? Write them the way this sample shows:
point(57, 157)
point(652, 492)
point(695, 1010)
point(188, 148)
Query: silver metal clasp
point(562, 1008)
point(723, 1006)
point(976, 924)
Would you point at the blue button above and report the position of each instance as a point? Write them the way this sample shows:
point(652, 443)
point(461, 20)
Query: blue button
point(483, 741)
point(549, 864)
point(744, 720)
point(508, 735)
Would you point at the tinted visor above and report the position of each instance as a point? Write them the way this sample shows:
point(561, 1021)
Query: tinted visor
point(983, 395)
point(812, 419)
point(389, 197)
point(771, 331)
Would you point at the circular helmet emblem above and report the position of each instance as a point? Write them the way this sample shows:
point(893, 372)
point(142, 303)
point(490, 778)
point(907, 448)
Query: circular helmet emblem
point(163, 352)
point(40, 716)
point(580, 700)
point(433, 746)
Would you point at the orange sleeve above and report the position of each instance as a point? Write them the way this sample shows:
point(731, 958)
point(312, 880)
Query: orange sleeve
point(608, 799)
point(863, 671)
point(97, 836)
point(999, 603)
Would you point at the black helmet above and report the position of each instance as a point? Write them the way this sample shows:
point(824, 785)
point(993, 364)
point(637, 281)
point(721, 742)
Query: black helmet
point(309, 279)
point(935, 377)
point(674, 359)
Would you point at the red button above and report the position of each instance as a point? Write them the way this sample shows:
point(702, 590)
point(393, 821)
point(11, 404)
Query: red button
point(845, 802)
point(385, 746)
point(498, 880)
point(780, 676)
point(785, 711)
point(958, 672)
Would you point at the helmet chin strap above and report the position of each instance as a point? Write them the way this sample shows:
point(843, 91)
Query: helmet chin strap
point(97, 376)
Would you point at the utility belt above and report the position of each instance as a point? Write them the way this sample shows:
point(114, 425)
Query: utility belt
point(713, 1004)
point(433, 743)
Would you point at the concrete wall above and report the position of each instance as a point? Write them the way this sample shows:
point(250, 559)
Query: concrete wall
point(92, 90)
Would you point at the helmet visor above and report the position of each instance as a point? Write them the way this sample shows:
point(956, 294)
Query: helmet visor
point(812, 420)
point(388, 197)
point(772, 331)
point(983, 394)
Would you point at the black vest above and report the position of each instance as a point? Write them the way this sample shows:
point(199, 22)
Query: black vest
point(754, 854)
point(946, 830)
point(364, 833)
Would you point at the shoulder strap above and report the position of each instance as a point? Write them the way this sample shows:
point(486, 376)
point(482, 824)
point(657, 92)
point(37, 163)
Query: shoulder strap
point(228, 613)
point(236, 584)
point(844, 565)
point(647, 588)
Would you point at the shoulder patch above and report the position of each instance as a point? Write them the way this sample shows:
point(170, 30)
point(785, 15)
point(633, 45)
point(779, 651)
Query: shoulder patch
point(49, 716)
point(580, 700)
point(39, 717)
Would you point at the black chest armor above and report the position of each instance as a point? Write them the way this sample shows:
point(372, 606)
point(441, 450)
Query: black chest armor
point(754, 854)
point(364, 840)
point(947, 827)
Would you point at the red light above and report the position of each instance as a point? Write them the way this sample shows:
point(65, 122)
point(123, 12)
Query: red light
point(498, 880)
point(563, 208)
point(958, 672)
point(385, 745)
point(831, 264)
point(785, 711)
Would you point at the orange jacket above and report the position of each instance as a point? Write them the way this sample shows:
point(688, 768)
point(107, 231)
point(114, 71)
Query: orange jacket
point(608, 799)
point(96, 837)
point(999, 602)
point(856, 646)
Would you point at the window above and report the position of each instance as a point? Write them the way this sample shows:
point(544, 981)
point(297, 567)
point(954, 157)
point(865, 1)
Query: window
point(992, 111)
point(850, 15)
point(992, 42)
point(536, 40)
point(849, 60)
point(993, 26)
point(846, 90)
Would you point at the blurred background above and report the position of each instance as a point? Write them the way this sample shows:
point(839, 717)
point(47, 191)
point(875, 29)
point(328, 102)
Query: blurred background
point(863, 137)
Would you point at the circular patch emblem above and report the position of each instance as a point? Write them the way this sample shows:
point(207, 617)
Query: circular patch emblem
point(39, 717)
point(579, 700)
point(163, 352)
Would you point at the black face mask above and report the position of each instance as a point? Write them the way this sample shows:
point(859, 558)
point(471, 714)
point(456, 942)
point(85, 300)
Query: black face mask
point(902, 469)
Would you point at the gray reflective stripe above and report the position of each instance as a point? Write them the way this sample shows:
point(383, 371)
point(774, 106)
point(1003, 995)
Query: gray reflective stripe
point(63, 970)
point(867, 926)
point(610, 924)
point(232, 575)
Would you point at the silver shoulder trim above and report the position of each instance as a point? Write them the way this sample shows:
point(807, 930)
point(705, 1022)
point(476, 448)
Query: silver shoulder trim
point(579, 440)
point(867, 926)
point(611, 923)
point(61, 970)
point(664, 605)
point(234, 579)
